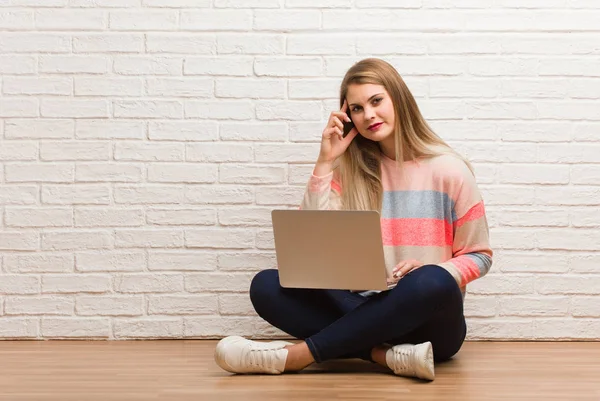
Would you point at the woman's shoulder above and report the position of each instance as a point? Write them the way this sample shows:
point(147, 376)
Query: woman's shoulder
point(450, 166)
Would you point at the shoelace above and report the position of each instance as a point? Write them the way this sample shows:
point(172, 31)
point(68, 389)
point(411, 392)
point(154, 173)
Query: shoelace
point(259, 357)
point(403, 360)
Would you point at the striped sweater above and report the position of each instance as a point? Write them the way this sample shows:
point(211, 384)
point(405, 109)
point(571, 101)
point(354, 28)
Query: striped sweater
point(432, 212)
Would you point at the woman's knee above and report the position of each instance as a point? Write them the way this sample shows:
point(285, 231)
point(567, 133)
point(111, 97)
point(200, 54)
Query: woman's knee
point(437, 282)
point(262, 286)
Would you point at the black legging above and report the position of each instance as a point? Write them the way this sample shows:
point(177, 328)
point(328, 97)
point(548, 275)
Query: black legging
point(425, 305)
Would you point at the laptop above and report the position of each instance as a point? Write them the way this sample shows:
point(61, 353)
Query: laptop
point(329, 249)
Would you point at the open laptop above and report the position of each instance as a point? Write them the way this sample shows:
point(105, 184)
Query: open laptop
point(329, 249)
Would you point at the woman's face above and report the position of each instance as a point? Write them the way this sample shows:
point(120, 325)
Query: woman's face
point(371, 111)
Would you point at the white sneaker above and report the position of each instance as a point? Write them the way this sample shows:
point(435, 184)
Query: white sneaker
point(411, 360)
point(238, 355)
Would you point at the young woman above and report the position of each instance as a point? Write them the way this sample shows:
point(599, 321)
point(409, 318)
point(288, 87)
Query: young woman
point(435, 238)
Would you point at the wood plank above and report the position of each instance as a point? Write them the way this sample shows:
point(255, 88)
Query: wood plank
point(185, 370)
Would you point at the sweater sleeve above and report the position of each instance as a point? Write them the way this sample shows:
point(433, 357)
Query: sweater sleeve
point(322, 193)
point(471, 252)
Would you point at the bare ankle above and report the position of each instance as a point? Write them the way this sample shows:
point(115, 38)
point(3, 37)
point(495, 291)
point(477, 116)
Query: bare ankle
point(298, 357)
point(378, 354)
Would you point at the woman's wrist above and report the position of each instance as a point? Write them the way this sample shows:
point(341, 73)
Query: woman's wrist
point(322, 168)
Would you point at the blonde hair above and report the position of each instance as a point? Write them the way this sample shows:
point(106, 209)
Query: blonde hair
point(360, 165)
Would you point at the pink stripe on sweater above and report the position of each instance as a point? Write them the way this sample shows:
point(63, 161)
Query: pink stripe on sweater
point(416, 232)
point(467, 267)
point(474, 213)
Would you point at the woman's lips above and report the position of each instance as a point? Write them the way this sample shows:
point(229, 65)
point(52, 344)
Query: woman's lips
point(374, 127)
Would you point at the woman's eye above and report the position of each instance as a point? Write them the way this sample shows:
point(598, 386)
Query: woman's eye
point(377, 100)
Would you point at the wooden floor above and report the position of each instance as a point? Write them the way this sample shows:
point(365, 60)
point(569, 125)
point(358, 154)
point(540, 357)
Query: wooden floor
point(185, 370)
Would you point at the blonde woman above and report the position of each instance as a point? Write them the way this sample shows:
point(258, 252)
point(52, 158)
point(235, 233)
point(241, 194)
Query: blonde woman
point(435, 238)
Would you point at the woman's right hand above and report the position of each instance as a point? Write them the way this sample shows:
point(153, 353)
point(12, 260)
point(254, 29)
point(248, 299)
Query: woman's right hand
point(333, 144)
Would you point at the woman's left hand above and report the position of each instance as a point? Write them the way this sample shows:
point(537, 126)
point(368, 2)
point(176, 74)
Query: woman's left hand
point(404, 268)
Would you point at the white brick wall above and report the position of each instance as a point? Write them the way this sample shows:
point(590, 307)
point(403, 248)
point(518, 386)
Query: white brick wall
point(143, 144)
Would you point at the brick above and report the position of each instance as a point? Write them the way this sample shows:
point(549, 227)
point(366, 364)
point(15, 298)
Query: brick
point(38, 217)
point(33, 42)
point(18, 194)
point(155, 194)
point(503, 284)
point(219, 152)
point(182, 305)
point(572, 153)
point(235, 304)
point(183, 131)
point(217, 326)
point(75, 240)
point(148, 328)
point(71, 283)
point(39, 129)
point(16, 20)
point(288, 66)
point(245, 216)
point(531, 262)
point(250, 44)
point(182, 261)
point(219, 110)
point(108, 42)
point(229, 282)
point(264, 239)
point(180, 87)
point(104, 172)
point(17, 107)
point(322, 44)
point(585, 306)
point(219, 194)
point(569, 239)
point(147, 65)
point(480, 306)
point(37, 86)
point(110, 261)
point(19, 284)
point(108, 217)
point(148, 109)
point(566, 195)
point(75, 108)
point(251, 174)
point(312, 88)
point(78, 194)
point(17, 64)
point(148, 283)
point(215, 66)
point(18, 150)
point(281, 153)
point(110, 129)
point(247, 4)
point(244, 88)
point(39, 305)
point(288, 110)
point(177, 3)
point(219, 238)
point(231, 261)
point(286, 21)
point(291, 196)
point(75, 328)
point(39, 263)
point(534, 306)
point(149, 152)
point(264, 132)
point(501, 329)
point(535, 131)
point(567, 284)
point(185, 217)
point(182, 173)
point(182, 43)
point(70, 19)
point(142, 20)
point(18, 328)
point(96, 86)
point(150, 238)
point(78, 150)
point(102, 305)
point(534, 174)
point(60, 64)
point(36, 172)
point(559, 329)
point(216, 20)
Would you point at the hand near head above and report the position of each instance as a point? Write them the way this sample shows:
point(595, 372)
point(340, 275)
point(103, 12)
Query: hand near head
point(333, 143)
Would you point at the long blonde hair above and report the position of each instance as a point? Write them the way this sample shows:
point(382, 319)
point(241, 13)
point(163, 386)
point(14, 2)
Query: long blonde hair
point(360, 165)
